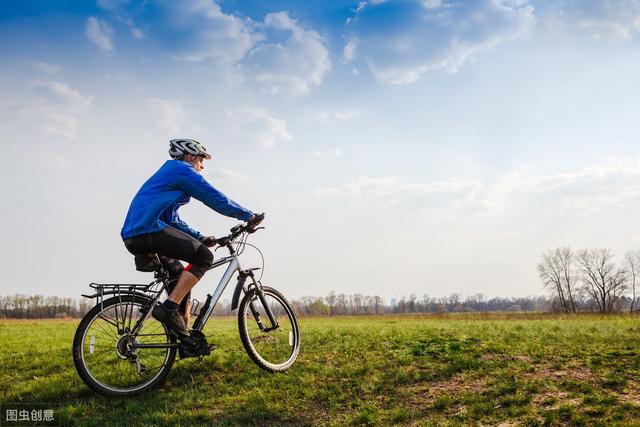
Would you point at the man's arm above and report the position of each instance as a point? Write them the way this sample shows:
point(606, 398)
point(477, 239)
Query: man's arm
point(194, 184)
point(179, 224)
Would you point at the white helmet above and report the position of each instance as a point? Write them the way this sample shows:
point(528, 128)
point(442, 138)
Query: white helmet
point(180, 147)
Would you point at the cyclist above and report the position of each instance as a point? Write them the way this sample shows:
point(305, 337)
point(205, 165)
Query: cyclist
point(152, 226)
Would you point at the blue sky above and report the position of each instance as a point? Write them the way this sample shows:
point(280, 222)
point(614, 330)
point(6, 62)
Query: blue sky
point(397, 147)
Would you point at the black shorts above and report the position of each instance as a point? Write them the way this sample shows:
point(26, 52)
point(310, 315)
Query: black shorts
point(172, 245)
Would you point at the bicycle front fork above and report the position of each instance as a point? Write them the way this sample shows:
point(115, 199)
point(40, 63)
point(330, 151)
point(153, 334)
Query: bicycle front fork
point(252, 306)
point(267, 309)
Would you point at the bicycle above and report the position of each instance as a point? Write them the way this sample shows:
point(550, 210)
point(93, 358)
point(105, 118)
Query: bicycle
point(119, 349)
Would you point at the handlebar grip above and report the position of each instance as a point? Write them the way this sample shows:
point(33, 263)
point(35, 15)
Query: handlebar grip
point(222, 241)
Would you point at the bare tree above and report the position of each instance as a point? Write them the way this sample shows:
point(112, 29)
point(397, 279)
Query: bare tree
point(378, 303)
point(601, 279)
point(411, 303)
point(331, 301)
point(425, 302)
point(557, 271)
point(632, 264)
point(402, 304)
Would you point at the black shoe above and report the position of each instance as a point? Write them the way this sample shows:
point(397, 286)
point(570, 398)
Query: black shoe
point(173, 319)
point(195, 346)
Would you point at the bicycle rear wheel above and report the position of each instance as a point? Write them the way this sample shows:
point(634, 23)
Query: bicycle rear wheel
point(107, 356)
point(272, 347)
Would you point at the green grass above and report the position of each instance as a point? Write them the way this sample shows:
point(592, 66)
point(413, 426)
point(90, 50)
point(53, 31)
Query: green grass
point(404, 370)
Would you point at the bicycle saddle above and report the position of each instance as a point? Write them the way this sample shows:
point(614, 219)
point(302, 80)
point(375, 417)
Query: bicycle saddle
point(147, 262)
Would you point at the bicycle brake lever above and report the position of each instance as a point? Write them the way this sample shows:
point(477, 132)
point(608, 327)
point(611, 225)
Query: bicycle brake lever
point(222, 242)
point(253, 230)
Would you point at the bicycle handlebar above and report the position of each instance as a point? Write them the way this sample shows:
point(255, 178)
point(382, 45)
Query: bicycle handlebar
point(248, 227)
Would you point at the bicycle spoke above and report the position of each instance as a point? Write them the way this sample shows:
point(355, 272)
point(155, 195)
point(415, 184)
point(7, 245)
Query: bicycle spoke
point(102, 316)
point(102, 334)
point(106, 332)
point(107, 365)
point(157, 328)
point(273, 346)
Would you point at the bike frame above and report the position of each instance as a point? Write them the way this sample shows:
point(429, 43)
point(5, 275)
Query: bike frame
point(212, 300)
point(233, 267)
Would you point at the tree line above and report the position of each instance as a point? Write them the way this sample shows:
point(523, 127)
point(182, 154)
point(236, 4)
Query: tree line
point(40, 307)
point(358, 304)
point(577, 280)
point(590, 280)
point(37, 306)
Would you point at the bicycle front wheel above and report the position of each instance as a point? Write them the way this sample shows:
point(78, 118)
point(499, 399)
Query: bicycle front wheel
point(272, 346)
point(113, 361)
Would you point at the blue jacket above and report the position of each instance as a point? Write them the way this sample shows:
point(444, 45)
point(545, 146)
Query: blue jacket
point(156, 204)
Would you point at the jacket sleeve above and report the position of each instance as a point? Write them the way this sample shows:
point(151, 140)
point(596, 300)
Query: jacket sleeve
point(179, 224)
point(194, 184)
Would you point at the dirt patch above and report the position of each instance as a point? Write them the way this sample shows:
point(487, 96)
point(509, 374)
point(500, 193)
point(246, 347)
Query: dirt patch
point(581, 374)
point(506, 357)
point(554, 399)
point(425, 393)
point(575, 373)
point(631, 394)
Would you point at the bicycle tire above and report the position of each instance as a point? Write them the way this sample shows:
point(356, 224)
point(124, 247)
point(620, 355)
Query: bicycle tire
point(79, 343)
point(250, 334)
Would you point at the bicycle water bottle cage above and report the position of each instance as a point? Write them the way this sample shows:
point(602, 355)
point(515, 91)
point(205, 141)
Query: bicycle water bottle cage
point(195, 304)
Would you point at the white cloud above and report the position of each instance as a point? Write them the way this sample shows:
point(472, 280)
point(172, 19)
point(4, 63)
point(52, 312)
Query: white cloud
point(349, 50)
point(136, 32)
point(608, 29)
point(325, 118)
point(46, 68)
point(61, 93)
point(617, 20)
point(346, 114)
point(431, 4)
point(168, 114)
point(99, 33)
point(392, 192)
point(331, 154)
point(111, 4)
point(432, 35)
point(612, 184)
point(192, 30)
point(257, 126)
point(278, 53)
point(55, 110)
point(199, 30)
point(609, 20)
point(293, 65)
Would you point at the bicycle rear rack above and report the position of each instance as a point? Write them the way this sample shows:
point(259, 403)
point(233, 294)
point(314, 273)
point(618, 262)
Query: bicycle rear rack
point(120, 289)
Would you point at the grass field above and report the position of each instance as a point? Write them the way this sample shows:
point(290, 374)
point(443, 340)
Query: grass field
point(404, 370)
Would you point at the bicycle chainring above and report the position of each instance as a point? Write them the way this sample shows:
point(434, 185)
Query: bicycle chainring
point(196, 346)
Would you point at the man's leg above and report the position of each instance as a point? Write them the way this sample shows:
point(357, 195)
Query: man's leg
point(175, 268)
point(175, 244)
point(200, 258)
point(186, 282)
point(187, 311)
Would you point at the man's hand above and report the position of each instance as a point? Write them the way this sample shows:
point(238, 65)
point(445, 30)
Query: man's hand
point(209, 241)
point(255, 220)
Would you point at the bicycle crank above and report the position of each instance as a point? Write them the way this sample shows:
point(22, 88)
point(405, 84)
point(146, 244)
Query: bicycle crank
point(197, 346)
